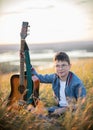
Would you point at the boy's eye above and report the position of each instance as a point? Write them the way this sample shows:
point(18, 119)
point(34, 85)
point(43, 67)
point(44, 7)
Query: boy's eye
point(62, 66)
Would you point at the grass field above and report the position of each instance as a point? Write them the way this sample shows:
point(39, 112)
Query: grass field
point(81, 119)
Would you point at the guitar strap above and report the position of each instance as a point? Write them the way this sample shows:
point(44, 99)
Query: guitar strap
point(28, 75)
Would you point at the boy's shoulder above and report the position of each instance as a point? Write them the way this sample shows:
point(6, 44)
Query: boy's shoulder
point(74, 77)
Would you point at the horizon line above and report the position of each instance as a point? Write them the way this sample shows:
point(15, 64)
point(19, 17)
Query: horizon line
point(48, 42)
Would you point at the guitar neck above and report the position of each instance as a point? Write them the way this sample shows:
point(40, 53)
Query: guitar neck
point(22, 60)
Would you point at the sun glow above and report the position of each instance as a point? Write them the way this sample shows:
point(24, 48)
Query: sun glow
point(50, 22)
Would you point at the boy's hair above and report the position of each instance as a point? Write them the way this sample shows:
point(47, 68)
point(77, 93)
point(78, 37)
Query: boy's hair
point(62, 56)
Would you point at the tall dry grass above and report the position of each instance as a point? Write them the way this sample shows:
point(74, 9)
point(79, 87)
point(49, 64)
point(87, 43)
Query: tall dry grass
point(81, 119)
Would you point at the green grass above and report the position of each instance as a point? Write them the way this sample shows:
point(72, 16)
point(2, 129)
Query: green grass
point(81, 119)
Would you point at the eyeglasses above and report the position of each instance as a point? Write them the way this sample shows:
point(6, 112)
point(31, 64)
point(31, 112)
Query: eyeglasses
point(64, 66)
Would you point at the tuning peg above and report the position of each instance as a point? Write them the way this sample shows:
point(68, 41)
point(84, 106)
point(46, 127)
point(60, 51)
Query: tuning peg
point(28, 33)
point(28, 30)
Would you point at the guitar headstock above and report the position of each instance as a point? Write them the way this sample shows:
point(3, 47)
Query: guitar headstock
point(24, 30)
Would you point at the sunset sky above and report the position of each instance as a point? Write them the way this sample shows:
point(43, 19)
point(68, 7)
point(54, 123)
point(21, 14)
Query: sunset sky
point(49, 20)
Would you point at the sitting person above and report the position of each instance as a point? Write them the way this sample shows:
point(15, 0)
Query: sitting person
point(65, 84)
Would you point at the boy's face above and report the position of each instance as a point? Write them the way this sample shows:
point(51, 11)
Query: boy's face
point(62, 69)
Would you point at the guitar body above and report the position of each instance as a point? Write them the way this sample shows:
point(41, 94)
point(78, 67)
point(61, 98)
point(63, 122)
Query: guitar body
point(18, 93)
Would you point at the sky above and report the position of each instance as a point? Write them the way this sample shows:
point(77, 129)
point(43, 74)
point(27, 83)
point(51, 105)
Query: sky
point(49, 20)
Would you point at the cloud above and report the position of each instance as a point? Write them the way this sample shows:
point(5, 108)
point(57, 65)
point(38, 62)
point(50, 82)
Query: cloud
point(22, 6)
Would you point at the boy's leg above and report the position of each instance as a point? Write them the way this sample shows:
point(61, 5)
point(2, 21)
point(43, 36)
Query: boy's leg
point(52, 109)
point(60, 110)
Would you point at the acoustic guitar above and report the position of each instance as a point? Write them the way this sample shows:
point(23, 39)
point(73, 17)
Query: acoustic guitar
point(24, 86)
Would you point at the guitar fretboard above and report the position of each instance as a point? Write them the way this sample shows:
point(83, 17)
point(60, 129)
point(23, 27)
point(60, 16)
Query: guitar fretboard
point(22, 59)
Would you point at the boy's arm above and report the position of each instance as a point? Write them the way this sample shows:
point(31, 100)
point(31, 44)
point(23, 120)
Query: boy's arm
point(47, 78)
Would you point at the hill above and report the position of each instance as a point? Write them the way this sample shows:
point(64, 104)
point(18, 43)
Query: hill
point(62, 46)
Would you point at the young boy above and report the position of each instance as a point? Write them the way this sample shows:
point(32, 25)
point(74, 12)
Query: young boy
point(65, 84)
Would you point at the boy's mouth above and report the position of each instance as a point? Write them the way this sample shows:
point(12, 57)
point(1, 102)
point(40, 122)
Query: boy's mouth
point(62, 72)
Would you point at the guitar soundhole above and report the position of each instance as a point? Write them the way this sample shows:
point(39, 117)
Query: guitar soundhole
point(21, 89)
